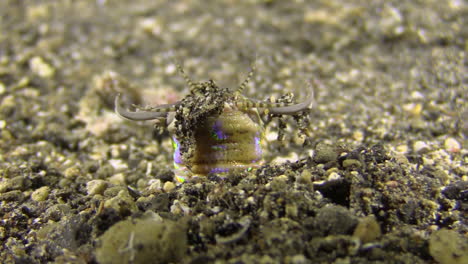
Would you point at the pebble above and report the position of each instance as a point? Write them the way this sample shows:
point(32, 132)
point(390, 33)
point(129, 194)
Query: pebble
point(367, 230)
point(279, 183)
point(122, 203)
point(8, 101)
point(402, 149)
point(334, 220)
point(271, 136)
point(452, 145)
point(448, 247)
point(16, 183)
point(41, 68)
point(416, 95)
point(149, 239)
point(298, 259)
point(391, 21)
point(2, 232)
point(72, 173)
point(299, 138)
point(151, 26)
point(420, 147)
point(351, 163)
point(291, 210)
point(413, 109)
point(358, 135)
point(168, 186)
point(41, 194)
point(117, 179)
point(325, 153)
point(334, 176)
point(118, 164)
point(319, 16)
point(96, 187)
point(292, 157)
point(11, 196)
point(305, 177)
point(57, 211)
point(154, 185)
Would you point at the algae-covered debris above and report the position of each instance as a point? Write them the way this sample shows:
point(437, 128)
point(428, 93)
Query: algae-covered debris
point(146, 240)
point(448, 247)
point(367, 230)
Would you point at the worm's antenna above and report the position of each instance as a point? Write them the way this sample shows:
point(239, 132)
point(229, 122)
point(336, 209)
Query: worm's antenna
point(249, 77)
point(187, 79)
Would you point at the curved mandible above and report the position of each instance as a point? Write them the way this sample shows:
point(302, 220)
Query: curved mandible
point(292, 109)
point(155, 113)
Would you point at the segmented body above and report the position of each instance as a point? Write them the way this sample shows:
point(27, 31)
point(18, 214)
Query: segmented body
point(215, 130)
point(229, 141)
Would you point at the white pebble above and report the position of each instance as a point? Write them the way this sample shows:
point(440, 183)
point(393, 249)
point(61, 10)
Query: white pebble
point(420, 146)
point(118, 164)
point(2, 88)
point(41, 68)
point(452, 145)
point(334, 176)
point(292, 157)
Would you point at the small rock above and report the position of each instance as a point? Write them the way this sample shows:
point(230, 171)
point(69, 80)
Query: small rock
point(57, 211)
point(11, 196)
point(351, 163)
point(391, 21)
point(41, 194)
point(168, 186)
point(122, 203)
point(41, 68)
point(420, 147)
point(291, 210)
point(72, 173)
point(456, 190)
point(417, 95)
point(2, 232)
point(2, 88)
point(402, 149)
point(358, 135)
point(152, 26)
point(117, 179)
point(452, 145)
point(305, 177)
point(448, 247)
point(292, 157)
point(118, 164)
point(16, 183)
point(299, 138)
point(324, 153)
point(367, 229)
point(279, 183)
point(147, 240)
point(413, 109)
point(96, 187)
point(299, 259)
point(334, 176)
point(334, 220)
point(154, 185)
